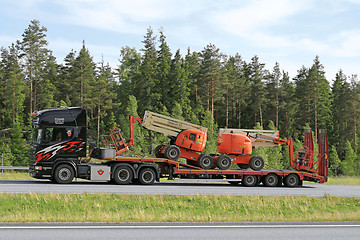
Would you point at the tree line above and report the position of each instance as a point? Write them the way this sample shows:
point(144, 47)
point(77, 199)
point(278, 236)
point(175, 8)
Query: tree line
point(206, 87)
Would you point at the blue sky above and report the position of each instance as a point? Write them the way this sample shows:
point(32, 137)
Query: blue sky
point(291, 32)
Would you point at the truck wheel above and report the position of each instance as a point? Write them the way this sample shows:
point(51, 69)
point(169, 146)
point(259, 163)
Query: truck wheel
point(271, 180)
point(123, 175)
point(223, 162)
point(249, 180)
point(147, 176)
point(64, 173)
point(157, 151)
point(205, 161)
point(172, 152)
point(292, 180)
point(243, 166)
point(256, 163)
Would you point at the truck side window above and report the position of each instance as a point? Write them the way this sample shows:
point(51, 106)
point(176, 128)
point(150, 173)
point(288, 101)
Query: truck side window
point(192, 137)
point(58, 134)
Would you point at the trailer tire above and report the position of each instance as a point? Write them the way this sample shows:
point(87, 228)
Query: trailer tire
point(243, 165)
point(172, 152)
point(157, 151)
point(292, 180)
point(64, 174)
point(123, 175)
point(147, 176)
point(249, 180)
point(256, 163)
point(271, 180)
point(223, 162)
point(205, 161)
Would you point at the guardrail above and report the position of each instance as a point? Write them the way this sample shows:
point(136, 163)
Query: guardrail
point(13, 168)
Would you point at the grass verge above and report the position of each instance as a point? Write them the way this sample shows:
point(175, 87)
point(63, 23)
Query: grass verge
point(169, 208)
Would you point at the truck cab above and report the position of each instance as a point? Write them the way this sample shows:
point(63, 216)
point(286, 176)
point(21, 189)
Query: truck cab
point(59, 135)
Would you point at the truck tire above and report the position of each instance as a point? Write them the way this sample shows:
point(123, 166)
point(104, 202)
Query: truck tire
point(64, 173)
point(271, 180)
point(172, 152)
point(256, 163)
point(157, 151)
point(223, 162)
point(249, 181)
point(205, 161)
point(292, 180)
point(123, 175)
point(147, 176)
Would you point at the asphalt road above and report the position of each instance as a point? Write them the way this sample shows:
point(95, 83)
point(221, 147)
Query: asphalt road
point(176, 188)
point(88, 231)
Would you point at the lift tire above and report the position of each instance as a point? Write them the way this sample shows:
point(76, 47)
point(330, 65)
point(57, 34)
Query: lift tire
point(256, 163)
point(292, 180)
point(223, 162)
point(64, 174)
point(271, 180)
point(205, 161)
point(172, 152)
point(123, 175)
point(147, 176)
point(157, 151)
point(243, 166)
point(250, 180)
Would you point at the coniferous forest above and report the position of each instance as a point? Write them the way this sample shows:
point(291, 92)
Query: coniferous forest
point(208, 88)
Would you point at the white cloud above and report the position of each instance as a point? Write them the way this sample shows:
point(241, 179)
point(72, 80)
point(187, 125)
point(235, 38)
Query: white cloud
point(122, 16)
point(244, 21)
point(349, 46)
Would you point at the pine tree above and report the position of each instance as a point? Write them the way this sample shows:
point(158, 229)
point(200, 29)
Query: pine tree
point(104, 90)
point(66, 90)
point(256, 74)
point(164, 71)
point(210, 76)
point(334, 162)
point(34, 52)
point(348, 166)
point(13, 84)
point(148, 82)
point(85, 82)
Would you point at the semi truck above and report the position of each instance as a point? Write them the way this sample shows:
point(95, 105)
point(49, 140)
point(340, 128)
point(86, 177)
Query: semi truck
point(59, 153)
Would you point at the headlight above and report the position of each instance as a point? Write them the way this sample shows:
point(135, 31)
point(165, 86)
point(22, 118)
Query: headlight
point(38, 167)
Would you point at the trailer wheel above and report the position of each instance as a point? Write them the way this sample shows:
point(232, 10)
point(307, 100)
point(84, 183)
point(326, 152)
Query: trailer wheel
point(256, 163)
point(64, 173)
point(250, 181)
point(172, 152)
point(292, 180)
point(147, 176)
point(205, 161)
point(243, 166)
point(223, 162)
point(271, 180)
point(157, 151)
point(123, 175)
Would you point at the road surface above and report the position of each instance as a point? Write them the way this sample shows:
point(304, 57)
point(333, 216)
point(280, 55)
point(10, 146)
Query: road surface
point(158, 231)
point(177, 188)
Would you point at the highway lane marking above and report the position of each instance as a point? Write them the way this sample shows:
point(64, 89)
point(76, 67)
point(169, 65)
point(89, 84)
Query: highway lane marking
point(180, 226)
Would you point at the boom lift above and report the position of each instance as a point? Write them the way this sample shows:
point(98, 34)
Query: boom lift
point(238, 145)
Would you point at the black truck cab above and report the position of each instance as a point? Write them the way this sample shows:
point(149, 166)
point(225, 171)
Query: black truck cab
point(59, 135)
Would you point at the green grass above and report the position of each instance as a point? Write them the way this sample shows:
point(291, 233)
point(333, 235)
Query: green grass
point(11, 174)
point(169, 208)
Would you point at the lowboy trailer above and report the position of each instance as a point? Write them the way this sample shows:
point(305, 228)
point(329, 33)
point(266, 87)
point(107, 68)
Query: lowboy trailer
point(60, 141)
